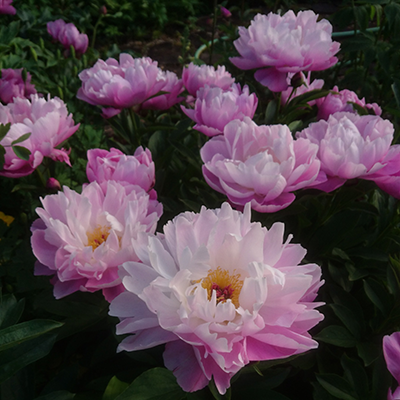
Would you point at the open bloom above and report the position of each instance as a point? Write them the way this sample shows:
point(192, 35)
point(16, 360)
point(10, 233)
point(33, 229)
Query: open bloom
point(220, 291)
point(12, 85)
point(215, 107)
point(68, 35)
point(391, 351)
point(129, 83)
point(262, 165)
point(196, 76)
point(49, 124)
point(342, 101)
point(350, 146)
point(6, 7)
point(81, 239)
point(287, 43)
point(104, 165)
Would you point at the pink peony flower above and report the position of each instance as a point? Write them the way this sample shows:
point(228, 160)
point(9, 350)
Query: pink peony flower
point(342, 102)
point(195, 77)
point(350, 146)
point(12, 85)
point(215, 107)
point(306, 87)
point(49, 124)
point(68, 35)
point(129, 83)
point(391, 352)
point(286, 43)
point(260, 164)
point(104, 166)
point(220, 291)
point(81, 239)
point(388, 178)
point(6, 7)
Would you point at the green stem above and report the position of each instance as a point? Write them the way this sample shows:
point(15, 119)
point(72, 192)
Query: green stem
point(95, 31)
point(213, 31)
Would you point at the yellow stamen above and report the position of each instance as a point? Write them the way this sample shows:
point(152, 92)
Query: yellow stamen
point(226, 286)
point(8, 219)
point(98, 236)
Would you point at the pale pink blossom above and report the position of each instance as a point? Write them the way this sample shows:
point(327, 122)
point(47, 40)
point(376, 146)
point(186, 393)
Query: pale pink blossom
point(6, 7)
point(104, 165)
point(262, 165)
point(81, 239)
point(342, 101)
point(49, 124)
point(215, 107)
point(391, 352)
point(196, 76)
point(388, 178)
point(12, 85)
point(285, 43)
point(131, 82)
point(68, 35)
point(290, 93)
point(220, 291)
point(350, 146)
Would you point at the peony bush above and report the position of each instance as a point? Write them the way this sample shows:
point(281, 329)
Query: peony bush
point(203, 232)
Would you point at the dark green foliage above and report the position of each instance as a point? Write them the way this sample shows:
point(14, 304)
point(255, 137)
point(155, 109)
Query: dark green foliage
point(66, 349)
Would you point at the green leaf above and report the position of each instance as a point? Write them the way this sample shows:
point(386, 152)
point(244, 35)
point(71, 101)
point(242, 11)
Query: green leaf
point(270, 112)
point(356, 43)
point(349, 319)
point(368, 352)
point(21, 139)
point(154, 384)
point(336, 386)
point(392, 13)
point(356, 376)
point(396, 92)
point(21, 152)
point(58, 395)
point(4, 130)
point(16, 334)
point(10, 310)
point(378, 295)
point(309, 96)
point(18, 357)
point(336, 335)
point(114, 388)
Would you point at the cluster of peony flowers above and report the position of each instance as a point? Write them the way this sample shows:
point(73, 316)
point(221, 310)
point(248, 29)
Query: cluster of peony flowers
point(353, 146)
point(13, 85)
point(68, 35)
point(276, 45)
point(82, 239)
point(220, 291)
point(6, 7)
point(215, 107)
point(49, 124)
point(262, 165)
point(131, 82)
point(391, 352)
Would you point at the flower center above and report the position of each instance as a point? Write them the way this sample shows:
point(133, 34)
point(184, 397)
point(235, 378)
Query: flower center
point(226, 286)
point(98, 236)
